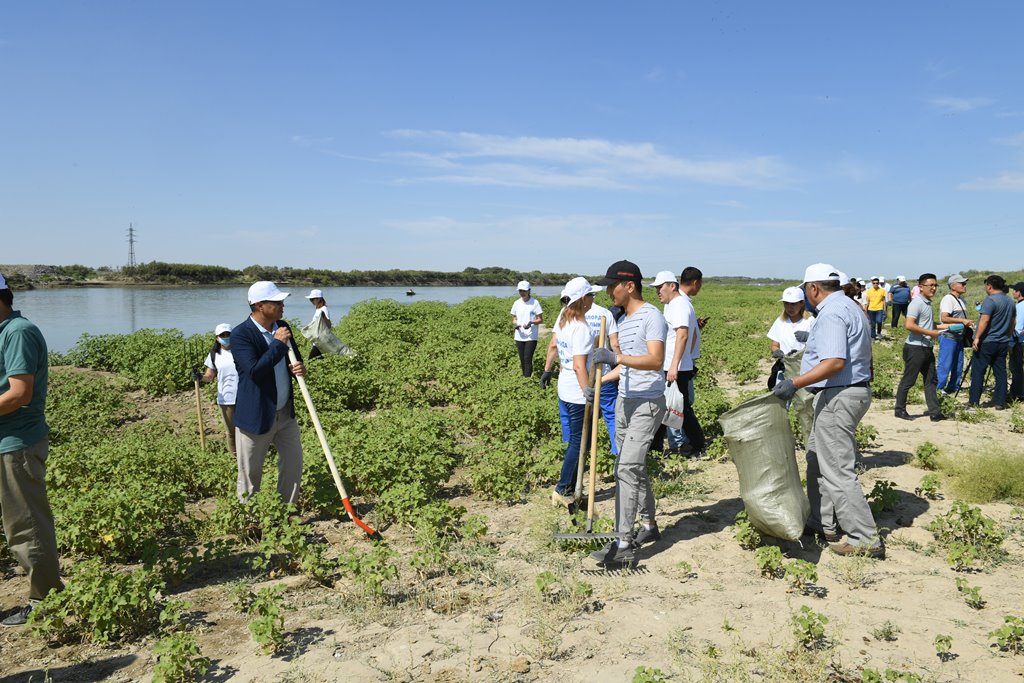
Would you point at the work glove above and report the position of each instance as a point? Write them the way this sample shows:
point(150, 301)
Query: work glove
point(777, 354)
point(604, 357)
point(801, 336)
point(588, 394)
point(785, 389)
point(545, 379)
point(196, 377)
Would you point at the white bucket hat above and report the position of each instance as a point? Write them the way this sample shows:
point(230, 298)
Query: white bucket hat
point(315, 294)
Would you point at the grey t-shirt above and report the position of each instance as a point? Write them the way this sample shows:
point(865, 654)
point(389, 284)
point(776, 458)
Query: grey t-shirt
point(999, 307)
point(921, 310)
point(647, 324)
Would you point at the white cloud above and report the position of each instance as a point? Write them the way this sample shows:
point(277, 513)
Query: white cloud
point(729, 204)
point(576, 162)
point(1009, 114)
point(939, 70)
point(959, 104)
point(1008, 181)
point(306, 141)
point(1012, 141)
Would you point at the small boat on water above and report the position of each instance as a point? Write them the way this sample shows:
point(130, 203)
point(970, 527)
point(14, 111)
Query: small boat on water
point(409, 292)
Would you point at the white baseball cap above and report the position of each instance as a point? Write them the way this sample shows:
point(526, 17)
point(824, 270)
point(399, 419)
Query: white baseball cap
point(265, 290)
point(3, 282)
point(221, 329)
point(792, 295)
point(577, 288)
point(315, 294)
point(818, 272)
point(900, 278)
point(523, 286)
point(664, 276)
point(881, 279)
point(844, 279)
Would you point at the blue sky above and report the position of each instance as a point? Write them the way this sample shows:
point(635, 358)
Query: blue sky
point(747, 138)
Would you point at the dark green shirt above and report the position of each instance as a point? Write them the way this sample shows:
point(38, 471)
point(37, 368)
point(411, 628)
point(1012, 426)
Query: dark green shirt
point(23, 352)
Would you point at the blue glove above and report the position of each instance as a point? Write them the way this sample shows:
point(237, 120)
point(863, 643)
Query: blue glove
point(801, 336)
point(545, 379)
point(604, 357)
point(785, 389)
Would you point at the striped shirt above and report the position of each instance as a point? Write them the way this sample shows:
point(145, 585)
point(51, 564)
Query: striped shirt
point(647, 324)
point(841, 331)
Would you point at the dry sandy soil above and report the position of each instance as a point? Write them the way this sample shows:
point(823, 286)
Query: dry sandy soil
point(694, 607)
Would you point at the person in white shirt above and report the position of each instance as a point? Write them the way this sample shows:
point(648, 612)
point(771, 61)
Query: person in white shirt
point(220, 364)
point(316, 297)
point(794, 318)
point(691, 280)
point(680, 318)
point(574, 340)
point(526, 317)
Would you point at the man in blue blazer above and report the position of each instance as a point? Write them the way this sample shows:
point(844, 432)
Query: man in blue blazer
point(264, 405)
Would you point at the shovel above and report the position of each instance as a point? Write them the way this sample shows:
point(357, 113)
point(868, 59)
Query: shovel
point(191, 351)
point(374, 535)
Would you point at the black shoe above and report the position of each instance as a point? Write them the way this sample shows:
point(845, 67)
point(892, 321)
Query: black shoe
point(998, 407)
point(651, 535)
point(938, 417)
point(903, 415)
point(19, 618)
point(613, 554)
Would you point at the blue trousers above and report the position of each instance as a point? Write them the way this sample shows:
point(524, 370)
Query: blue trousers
point(876, 318)
point(574, 412)
point(951, 364)
point(609, 394)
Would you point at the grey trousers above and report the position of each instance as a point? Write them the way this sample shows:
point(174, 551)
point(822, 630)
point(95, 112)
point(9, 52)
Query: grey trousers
point(251, 451)
point(27, 518)
point(636, 421)
point(229, 425)
point(832, 487)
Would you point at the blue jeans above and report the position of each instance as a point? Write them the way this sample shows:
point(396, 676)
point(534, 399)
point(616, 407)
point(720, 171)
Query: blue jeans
point(992, 355)
point(567, 482)
point(876, 318)
point(951, 364)
point(609, 392)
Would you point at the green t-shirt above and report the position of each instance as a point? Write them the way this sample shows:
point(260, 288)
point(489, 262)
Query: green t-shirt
point(23, 352)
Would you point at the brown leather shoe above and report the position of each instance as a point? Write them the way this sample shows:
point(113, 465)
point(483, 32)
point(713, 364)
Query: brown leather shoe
point(877, 552)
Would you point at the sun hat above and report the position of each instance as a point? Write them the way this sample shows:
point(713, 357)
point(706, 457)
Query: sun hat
point(577, 288)
point(315, 294)
point(956, 278)
point(818, 272)
point(523, 286)
point(662, 277)
point(900, 278)
point(844, 279)
point(792, 295)
point(265, 290)
point(622, 271)
point(221, 329)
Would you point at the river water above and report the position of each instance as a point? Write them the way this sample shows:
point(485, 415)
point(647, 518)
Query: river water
point(64, 315)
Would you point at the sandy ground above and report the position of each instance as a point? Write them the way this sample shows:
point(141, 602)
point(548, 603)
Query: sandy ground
point(695, 605)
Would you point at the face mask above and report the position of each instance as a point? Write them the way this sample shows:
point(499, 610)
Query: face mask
point(224, 341)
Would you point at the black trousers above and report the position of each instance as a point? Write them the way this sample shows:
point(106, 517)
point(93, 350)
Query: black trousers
point(526, 349)
point(691, 425)
point(918, 360)
point(897, 311)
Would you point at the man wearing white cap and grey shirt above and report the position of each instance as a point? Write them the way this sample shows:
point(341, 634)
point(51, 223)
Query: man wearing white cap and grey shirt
point(264, 403)
point(836, 367)
point(316, 297)
point(526, 317)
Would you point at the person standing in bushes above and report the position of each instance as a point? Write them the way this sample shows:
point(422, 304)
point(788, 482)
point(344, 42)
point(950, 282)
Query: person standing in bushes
point(574, 341)
point(899, 299)
point(1017, 345)
point(265, 405)
point(220, 365)
point(918, 356)
point(24, 446)
point(526, 317)
point(639, 411)
point(836, 368)
point(952, 310)
point(992, 341)
point(316, 297)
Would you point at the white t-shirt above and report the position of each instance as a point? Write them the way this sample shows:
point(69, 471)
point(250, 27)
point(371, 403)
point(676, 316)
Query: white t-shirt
point(526, 311)
point(227, 376)
point(692, 352)
point(677, 314)
point(575, 339)
point(784, 331)
point(953, 306)
point(647, 324)
point(322, 311)
point(593, 317)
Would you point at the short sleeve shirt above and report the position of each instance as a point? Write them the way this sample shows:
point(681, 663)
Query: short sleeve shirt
point(23, 352)
point(876, 298)
point(575, 339)
point(841, 331)
point(954, 306)
point(676, 315)
point(784, 332)
point(322, 311)
point(593, 317)
point(692, 352)
point(647, 324)
point(920, 309)
point(525, 311)
point(227, 376)
point(999, 307)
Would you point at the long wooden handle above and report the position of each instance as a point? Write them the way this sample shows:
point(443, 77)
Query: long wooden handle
point(199, 415)
point(593, 433)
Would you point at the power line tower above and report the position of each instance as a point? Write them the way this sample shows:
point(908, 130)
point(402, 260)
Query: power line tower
point(131, 245)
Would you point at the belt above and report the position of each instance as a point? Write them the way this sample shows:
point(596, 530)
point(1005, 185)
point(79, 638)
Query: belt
point(815, 390)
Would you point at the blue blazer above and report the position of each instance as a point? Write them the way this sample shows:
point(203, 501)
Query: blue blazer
point(256, 400)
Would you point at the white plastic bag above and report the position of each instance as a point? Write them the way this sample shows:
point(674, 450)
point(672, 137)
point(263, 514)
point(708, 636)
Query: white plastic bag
point(320, 334)
point(676, 404)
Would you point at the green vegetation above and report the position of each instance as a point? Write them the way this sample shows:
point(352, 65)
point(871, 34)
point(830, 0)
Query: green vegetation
point(809, 628)
point(1010, 636)
point(745, 533)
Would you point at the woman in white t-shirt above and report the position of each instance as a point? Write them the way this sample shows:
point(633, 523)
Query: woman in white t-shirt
point(316, 297)
point(574, 339)
point(221, 364)
point(793, 319)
